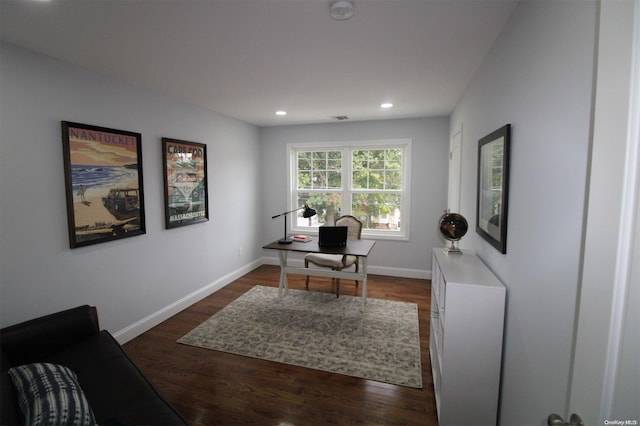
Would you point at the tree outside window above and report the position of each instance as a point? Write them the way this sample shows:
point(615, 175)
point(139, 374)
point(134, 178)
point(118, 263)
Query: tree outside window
point(377, 187)
point(366, 180)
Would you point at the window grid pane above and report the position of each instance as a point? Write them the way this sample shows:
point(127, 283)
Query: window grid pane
point(373, 191)
point(377, 169)
point(319, 170)
point(377, 210)
point(326, 204)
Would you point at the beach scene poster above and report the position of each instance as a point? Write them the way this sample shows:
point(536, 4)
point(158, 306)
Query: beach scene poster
point(103, 176)
point(185, 182)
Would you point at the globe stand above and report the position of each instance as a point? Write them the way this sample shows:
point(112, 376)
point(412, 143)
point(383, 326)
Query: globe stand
point(452, 249)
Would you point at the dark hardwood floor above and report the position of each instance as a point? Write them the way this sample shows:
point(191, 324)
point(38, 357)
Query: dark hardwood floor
point(215, 388)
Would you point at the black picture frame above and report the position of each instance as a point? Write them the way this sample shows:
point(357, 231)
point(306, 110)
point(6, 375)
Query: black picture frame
point(104, 184)
point(493, 187)
point(185, 182)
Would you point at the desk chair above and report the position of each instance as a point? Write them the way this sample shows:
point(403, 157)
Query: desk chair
point(337, 262)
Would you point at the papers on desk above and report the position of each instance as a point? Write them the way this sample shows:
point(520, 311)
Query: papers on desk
point(302, 238)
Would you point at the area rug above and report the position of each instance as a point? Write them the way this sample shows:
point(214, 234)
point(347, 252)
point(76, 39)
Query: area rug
point(317, 330)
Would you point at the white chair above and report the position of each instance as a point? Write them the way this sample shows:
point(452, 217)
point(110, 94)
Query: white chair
point(337, 262)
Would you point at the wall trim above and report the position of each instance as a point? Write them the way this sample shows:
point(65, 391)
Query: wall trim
point(150, 321)
point(627, 235)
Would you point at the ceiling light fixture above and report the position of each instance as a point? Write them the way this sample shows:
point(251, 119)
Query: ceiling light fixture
point(386, 105)
point(281, 112)
point(341, 10)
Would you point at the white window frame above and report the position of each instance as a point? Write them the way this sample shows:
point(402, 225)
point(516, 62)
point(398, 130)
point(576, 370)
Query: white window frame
point(347, 163)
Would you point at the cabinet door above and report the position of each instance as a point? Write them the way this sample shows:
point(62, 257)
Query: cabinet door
point(436, 330)
point(438, 291)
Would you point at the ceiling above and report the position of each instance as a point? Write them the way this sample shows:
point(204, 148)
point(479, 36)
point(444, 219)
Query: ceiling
point(248, 58)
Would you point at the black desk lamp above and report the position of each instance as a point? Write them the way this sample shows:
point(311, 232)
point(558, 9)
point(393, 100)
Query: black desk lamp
point(308, 212)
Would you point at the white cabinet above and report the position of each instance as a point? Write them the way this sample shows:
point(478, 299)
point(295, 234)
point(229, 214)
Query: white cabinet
point(465, 343)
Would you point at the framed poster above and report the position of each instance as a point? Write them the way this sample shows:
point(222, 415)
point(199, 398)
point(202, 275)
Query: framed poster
point(103, 176)
point(185, 182)
point(493, 187)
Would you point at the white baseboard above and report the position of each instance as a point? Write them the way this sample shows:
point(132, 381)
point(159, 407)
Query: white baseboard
point(150, 321)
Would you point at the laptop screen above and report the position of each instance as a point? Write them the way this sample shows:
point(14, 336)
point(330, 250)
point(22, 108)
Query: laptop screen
point(332, 235)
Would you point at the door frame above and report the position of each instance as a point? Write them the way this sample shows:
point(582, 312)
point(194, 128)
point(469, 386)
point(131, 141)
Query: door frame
point(614, 173)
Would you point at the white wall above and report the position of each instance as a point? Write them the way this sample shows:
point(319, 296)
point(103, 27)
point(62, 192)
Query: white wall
point(430, 147)
point(140, 281)
point(538, 77)
point(134, 281)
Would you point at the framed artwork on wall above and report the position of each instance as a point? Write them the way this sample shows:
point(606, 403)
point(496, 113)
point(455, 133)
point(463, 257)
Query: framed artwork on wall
point(493, 187)
point(185, 182)
point(103, 177)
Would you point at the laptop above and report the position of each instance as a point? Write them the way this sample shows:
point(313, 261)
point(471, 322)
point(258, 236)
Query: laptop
point(335, 236)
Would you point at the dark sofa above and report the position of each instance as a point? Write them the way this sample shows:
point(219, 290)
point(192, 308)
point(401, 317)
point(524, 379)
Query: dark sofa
point(117, 392)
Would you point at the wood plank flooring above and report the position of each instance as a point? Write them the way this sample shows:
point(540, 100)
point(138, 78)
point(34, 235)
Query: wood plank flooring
point(215, 388)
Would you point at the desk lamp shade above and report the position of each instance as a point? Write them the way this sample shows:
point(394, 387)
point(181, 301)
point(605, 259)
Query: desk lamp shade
point(307, 213)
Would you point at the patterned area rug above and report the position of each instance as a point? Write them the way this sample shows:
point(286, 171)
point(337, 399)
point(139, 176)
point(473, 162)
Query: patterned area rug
point(318, 330)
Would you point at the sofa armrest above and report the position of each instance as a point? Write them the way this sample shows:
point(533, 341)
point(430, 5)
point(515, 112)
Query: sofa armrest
point(32, 340)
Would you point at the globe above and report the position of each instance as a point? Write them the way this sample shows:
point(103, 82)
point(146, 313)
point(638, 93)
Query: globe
point(453, 226)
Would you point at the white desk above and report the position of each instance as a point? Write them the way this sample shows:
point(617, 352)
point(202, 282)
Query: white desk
point(360, 248)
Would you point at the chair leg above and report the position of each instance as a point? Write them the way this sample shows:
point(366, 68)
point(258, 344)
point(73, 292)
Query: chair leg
point(337, 287)
point(357, 267)
point(306, 265)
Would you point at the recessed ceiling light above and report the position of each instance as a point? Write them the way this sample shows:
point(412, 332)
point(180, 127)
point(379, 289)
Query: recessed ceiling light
point(386, 105)
point(341, 10)
point(281, 112)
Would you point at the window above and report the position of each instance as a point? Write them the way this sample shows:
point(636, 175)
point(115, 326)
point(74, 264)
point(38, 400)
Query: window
point(369, 180)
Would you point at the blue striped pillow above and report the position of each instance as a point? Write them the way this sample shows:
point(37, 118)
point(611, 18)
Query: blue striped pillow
point(49, 394)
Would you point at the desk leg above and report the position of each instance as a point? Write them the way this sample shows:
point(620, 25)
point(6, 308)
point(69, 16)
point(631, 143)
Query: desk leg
point(364, 281)
point(283, 285)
